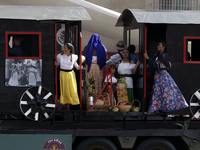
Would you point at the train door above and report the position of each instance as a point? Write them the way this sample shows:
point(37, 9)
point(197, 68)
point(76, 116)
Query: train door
point(133, 37)
point(69, 32)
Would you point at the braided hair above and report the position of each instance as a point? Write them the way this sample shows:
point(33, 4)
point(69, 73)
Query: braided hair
point(71, 47)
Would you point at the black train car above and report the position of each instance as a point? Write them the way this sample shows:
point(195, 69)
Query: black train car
point(180, 30)
point(87, 130)
point(35, 28)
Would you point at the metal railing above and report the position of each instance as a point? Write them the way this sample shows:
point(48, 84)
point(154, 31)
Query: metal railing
point(174, 4)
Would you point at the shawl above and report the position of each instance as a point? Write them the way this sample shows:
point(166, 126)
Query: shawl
point(164, 58)
point(95, 43)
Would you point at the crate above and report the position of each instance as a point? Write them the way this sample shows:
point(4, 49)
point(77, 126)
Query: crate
point(98, 107)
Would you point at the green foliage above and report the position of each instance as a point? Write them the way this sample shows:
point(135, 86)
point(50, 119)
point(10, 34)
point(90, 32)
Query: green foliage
point(91, 80)
point(86, 83)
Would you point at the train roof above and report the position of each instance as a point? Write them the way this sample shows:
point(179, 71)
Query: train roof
point(43, 13)
point(158, 17)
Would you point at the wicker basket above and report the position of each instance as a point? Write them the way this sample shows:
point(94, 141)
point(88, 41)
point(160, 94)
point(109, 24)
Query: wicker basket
point(115, 109)
point(98, 107)
point(99, 102)
point(89, 90)
point(121, 85)
point(137, 109)
point(124, 108)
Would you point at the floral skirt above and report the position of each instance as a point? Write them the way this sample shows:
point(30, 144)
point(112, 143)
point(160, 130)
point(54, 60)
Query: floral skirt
point(122, 94)
point(166, 95)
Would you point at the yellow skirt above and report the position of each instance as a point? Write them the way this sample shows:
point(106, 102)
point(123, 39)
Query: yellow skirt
point(68, 88)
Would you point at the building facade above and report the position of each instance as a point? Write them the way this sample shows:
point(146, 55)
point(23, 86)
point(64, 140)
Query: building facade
point(174, 4)
point(119, 5)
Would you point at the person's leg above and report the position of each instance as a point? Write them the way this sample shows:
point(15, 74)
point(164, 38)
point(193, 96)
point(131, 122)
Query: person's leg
point(115, 92)
point(68, 106)
point(130, 95)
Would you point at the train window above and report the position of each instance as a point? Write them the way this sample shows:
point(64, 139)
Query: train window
point(23, 64)
point(23, 45)
point(191, 49)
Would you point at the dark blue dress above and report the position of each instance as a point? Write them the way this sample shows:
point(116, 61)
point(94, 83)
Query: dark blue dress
point(15, 51)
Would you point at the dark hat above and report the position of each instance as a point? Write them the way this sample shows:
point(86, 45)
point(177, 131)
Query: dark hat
point(120, 45)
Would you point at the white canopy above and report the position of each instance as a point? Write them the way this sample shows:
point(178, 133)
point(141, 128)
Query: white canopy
point(168, 17)
point(43, 13)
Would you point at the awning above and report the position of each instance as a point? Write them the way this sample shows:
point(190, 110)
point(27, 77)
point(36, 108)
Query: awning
point(157, 17)
point(43, 13)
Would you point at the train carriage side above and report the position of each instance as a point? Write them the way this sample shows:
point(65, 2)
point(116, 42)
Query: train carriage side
point(11, 92)
point(36, 29)
point(182, 37)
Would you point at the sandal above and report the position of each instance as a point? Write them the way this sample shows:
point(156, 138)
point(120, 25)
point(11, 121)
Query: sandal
point(68, 107)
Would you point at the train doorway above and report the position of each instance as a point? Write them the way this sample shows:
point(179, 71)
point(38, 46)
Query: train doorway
point(69, 32)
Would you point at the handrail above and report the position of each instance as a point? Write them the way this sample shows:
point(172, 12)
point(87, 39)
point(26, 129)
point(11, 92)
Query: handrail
point(103, 90)
point(80, 71)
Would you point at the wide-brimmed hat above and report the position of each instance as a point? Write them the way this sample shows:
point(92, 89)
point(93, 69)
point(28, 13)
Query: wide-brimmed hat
point(120, 45)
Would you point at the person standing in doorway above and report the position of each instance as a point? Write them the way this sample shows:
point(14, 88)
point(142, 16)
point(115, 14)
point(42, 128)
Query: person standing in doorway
point(67, 80)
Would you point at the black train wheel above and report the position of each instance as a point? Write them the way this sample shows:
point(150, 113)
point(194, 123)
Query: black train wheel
point(37, 103)
point(97, 144)
point(195, 104)
point(156, 144)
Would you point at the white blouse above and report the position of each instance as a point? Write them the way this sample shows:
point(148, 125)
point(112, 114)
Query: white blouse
point(126, 68)
point(65, 61)
point(114, 80)
point(114, 58)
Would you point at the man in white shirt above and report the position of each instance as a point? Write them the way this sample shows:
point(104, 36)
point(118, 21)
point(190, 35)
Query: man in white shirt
point(120, 46)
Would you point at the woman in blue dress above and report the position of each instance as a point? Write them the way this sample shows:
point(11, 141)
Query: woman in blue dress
point(166, 95)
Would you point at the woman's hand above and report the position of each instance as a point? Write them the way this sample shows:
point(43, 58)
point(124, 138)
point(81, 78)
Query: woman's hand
point(78, 68)
point(135, 69)
point(146, 56)
point(56, 63)
point(138, 63)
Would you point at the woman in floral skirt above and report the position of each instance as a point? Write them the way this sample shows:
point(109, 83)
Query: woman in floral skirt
point(166, 95)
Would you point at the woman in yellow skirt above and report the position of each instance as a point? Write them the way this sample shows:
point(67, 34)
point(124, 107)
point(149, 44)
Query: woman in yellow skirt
point(68, 88)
